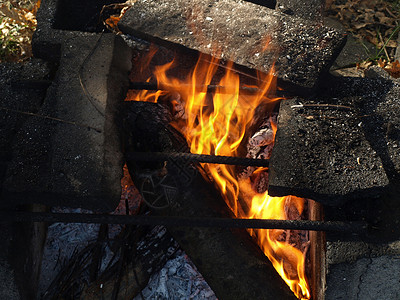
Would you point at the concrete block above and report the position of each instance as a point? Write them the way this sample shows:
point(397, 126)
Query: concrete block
point(248, 34)
point(322, 153)
point(366, 278)
point(306, 9)
point(74, 159)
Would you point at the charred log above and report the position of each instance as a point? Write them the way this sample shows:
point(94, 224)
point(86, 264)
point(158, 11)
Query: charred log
point(231, 263)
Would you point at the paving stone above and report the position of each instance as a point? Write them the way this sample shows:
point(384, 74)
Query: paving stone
point(239, 31)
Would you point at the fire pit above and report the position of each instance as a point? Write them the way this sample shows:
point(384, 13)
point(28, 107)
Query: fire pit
point(209, 138)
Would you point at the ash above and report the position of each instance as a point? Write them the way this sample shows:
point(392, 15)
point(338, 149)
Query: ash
point(178, 279)
point(63, 242)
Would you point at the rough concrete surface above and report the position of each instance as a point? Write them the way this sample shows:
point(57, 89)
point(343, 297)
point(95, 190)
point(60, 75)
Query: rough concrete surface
point(306, 9)
point(80, 164)
point(352, 53)
point(8, 281)
point(367, 279)
point(240, 31)
point(22, 89)
point(378, 104)
point(321, 153)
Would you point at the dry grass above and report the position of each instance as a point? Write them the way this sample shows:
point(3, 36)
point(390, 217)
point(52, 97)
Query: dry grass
point(375, 21)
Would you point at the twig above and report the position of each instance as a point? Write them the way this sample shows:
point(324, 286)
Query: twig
point(384, 46)
point(390, 12)
point(321, 106)
point(389, 38)
point(50, 118)
point(98, 252)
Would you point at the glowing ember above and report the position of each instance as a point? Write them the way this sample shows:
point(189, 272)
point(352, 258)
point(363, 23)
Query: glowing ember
point(218, 124)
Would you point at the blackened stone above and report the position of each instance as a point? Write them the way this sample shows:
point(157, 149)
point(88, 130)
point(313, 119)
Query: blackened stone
point(321, 152)
point(250, 35)
point(21, 91)
point(75, 159)
point(307, 9)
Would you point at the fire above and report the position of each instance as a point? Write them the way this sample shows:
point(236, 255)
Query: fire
point(218, 124)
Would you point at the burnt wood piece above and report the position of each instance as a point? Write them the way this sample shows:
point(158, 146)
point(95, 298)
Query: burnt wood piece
point(233, 266)
point(317, 253)
point(322, 153)
point(306, 9)
point(240, 31)
point(151, 254)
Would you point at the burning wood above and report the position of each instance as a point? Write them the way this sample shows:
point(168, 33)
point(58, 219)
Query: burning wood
point(215, 252)
point(219, 124)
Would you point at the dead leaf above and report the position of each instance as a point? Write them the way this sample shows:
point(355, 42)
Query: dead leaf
point(12, 14)
point(393, 69)
point(381, 63)
point(359, 25)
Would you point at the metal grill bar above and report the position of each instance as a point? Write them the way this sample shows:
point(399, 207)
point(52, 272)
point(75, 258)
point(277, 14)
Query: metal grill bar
point(354, 227)
point(210, 88)
point(190, 157)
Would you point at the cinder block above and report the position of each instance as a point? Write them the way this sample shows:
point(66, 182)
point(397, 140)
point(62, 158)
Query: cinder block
point(240, 31)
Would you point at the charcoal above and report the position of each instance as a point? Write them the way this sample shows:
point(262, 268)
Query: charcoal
point(252, 36)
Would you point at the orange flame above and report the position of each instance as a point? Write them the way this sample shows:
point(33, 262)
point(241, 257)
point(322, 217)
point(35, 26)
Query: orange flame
point(217, 125)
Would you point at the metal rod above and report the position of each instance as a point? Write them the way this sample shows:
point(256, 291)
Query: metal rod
point(354, 227)
point(203, 158)
point(210, 88)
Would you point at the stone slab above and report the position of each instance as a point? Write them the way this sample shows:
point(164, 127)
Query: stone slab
point(367, 278)
point(239, 31)
point(323, 154)
point(76, 164)
point(306, 9)
point(17, 96)
point(377, 99)
point(8, 280)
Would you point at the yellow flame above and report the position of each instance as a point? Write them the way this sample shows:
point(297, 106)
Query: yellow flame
point(217, 125)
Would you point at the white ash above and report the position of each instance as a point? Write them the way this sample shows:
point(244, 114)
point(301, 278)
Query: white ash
point(178, 279)
point(63, 241)
point(263, 137)
point(177, 106)
point(260, 146)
